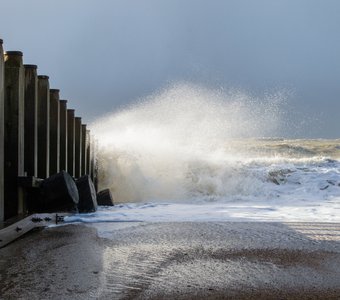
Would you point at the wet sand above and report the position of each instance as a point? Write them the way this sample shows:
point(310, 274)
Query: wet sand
point(226, 260)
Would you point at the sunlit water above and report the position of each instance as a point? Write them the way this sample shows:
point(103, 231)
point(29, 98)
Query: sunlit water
point(190, 153)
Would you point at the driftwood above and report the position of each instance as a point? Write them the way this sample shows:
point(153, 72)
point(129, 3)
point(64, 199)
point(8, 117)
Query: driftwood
point(14, 231)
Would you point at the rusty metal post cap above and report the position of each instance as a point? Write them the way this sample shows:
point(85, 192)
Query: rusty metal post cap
point(31, 66)
point(63, 101)
point(43, 77)
point(14, 53)
point(54, 90)
point(70, 109)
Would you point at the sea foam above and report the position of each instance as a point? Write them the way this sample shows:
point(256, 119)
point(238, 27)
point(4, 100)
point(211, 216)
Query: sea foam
point(190, 153)
point(176, 143)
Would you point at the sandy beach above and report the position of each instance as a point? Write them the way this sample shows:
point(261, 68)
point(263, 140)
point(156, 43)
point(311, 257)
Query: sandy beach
point(188, 260)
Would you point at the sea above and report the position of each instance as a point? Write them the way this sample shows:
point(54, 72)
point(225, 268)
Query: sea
point(189, 153)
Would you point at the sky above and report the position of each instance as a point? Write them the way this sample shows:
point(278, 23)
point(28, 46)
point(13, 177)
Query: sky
point(104, 54)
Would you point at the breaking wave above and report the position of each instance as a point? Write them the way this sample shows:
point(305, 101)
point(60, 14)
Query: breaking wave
point(189, 143)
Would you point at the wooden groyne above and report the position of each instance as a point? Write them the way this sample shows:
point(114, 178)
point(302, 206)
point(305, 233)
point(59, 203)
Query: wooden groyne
point(39, 137)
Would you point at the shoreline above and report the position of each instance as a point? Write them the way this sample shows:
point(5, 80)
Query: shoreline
point(184, 260)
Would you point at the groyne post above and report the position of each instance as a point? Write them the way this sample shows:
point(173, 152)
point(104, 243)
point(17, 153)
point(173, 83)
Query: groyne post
point(92, 166)
point(54, 131)
point(43, 126)
point(88, 152)
point(77, 140)
point(14, 133)
point(31, 116)
point(70, 141)
point(83, 149)
point(93, 163)
point(63, 135)
point(39, 137)
point(2, 124)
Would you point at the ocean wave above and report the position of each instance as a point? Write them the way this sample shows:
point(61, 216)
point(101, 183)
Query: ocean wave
point(189, 144)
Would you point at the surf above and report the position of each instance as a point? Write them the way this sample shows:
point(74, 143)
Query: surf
point(178, 141)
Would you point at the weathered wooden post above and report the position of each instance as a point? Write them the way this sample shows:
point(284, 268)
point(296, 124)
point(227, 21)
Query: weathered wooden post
point(92, 159)
point(77, 140)
point(43, 127)
point(88, 152)
point(14, 133)
point(95, 167)
point(63, 135)
point(1, 132)
point(54, 132)
point(31, 116)
point(83, 149)
point(70, 141)
point(94, 164)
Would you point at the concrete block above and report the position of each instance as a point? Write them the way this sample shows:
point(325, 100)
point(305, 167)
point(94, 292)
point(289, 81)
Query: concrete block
point(59, 193)
point(105, 198)
point(87, 195)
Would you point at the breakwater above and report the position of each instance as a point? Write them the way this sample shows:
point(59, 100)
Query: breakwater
point(39, 136)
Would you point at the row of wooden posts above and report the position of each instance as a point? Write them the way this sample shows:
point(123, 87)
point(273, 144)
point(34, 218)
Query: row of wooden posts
point(39, 135)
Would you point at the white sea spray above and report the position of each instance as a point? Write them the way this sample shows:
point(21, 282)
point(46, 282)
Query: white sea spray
point(190, 153)
point(175, 143)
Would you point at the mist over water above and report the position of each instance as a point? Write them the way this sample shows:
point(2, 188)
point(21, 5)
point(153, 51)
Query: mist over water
point(178, 144)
